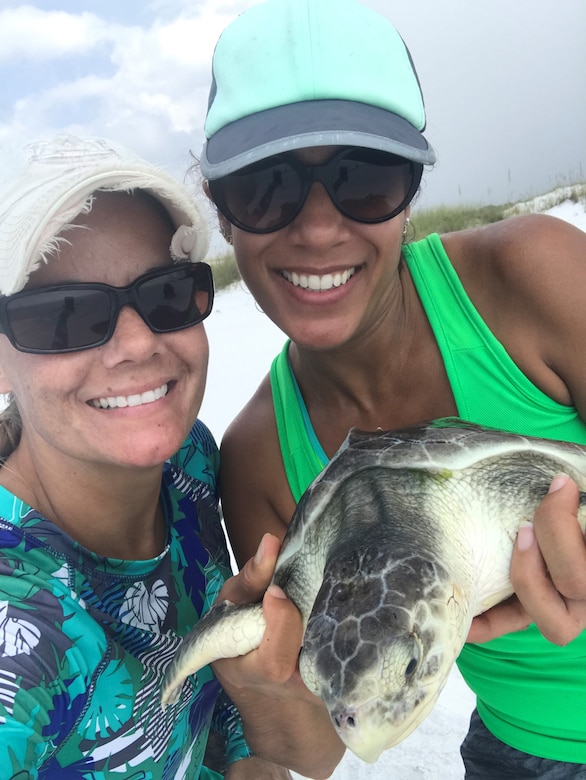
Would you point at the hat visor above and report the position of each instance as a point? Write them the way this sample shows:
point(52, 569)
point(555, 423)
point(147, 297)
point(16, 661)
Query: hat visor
point(43, 208)
point(311, 123)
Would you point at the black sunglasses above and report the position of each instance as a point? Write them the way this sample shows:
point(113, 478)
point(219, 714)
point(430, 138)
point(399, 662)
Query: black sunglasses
point(364, 184)
point(78, 316)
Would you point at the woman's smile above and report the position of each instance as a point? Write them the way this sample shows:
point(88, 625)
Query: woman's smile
point(319, 282)
point(136, 399)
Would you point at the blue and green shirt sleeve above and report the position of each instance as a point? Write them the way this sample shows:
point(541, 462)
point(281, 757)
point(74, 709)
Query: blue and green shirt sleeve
point(199, 459)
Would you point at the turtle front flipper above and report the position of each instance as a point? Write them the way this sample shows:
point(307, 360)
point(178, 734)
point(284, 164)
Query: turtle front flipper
point(226, 631)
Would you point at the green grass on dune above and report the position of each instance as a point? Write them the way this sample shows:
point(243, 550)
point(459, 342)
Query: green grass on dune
point(447, 219)
point(224, 269)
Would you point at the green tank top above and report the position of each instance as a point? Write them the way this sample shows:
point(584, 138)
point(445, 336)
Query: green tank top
point(530, 693)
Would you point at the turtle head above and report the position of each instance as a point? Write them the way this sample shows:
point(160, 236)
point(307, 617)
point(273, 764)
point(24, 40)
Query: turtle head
point(379, 645)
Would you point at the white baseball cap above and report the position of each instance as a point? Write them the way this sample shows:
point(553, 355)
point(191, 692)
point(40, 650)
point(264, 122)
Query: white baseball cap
point(46, 182)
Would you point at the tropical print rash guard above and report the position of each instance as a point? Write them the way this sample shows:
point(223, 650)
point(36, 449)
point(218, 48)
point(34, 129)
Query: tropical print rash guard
point(85, 640)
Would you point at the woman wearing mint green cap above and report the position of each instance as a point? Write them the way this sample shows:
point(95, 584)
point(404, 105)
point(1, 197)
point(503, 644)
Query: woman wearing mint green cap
point(314, 152)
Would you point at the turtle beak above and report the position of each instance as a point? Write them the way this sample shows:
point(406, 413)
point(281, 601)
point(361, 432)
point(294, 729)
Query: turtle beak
point(356, 730)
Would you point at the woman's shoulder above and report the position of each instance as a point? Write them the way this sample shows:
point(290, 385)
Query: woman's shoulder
point(250, 449)
point(515, 241)
point(526, 276)
point(254, 423)
point(522, 259)
point(254, 489)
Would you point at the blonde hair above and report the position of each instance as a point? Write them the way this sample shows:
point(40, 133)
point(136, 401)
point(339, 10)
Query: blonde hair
point(10, 429)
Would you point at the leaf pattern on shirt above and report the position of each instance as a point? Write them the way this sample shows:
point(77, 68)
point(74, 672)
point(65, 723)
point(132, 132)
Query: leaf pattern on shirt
point(16, 635)
point(145, 608)
point(106, 716)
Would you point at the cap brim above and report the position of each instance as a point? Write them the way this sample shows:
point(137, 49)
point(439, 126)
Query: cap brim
point(307, 124)
point(44, 207)
point(50, 180)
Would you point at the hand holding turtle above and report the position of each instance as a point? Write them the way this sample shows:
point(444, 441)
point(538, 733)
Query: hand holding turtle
point(548, 572)
point(275, 661)
point(262, 679)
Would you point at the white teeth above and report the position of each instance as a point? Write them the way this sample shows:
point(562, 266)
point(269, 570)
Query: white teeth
point(319, 283)
point(122, 401)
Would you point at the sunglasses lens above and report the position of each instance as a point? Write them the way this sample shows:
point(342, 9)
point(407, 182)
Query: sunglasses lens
point(364, 184)
point(56, 322)
point(75, 317)
point(370, 186)
point(261, 197)
point(176, 300)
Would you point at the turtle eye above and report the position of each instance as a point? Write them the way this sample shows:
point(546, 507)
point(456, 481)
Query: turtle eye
point(413, 662)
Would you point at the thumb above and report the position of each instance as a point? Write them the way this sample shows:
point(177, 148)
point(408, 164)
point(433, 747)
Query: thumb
point(255, 576)
point(283, 634)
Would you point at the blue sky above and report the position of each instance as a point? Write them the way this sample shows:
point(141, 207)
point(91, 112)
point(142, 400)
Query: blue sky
point(504, 82)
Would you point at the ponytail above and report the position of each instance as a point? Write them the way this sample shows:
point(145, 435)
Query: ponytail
point(10, 429)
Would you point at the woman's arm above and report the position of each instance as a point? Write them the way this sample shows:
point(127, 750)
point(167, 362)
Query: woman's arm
point(534, 268)
point(283, 722)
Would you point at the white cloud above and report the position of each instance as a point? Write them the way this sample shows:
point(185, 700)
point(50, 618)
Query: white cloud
point(145, 86)
point(28, 32)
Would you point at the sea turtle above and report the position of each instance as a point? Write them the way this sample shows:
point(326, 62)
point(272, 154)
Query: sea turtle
point(402, 539)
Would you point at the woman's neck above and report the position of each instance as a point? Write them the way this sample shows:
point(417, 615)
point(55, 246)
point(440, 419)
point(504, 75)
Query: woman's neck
point(113, 511)
point(390, 377)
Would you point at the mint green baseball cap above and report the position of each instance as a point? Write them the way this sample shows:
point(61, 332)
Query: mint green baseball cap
point(290, 74)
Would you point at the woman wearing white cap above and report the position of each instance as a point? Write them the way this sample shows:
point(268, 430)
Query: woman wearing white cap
point(110, 540)
point(314, 152)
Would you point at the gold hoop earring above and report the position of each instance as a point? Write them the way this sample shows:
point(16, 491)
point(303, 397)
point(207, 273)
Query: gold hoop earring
point(405, 228)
